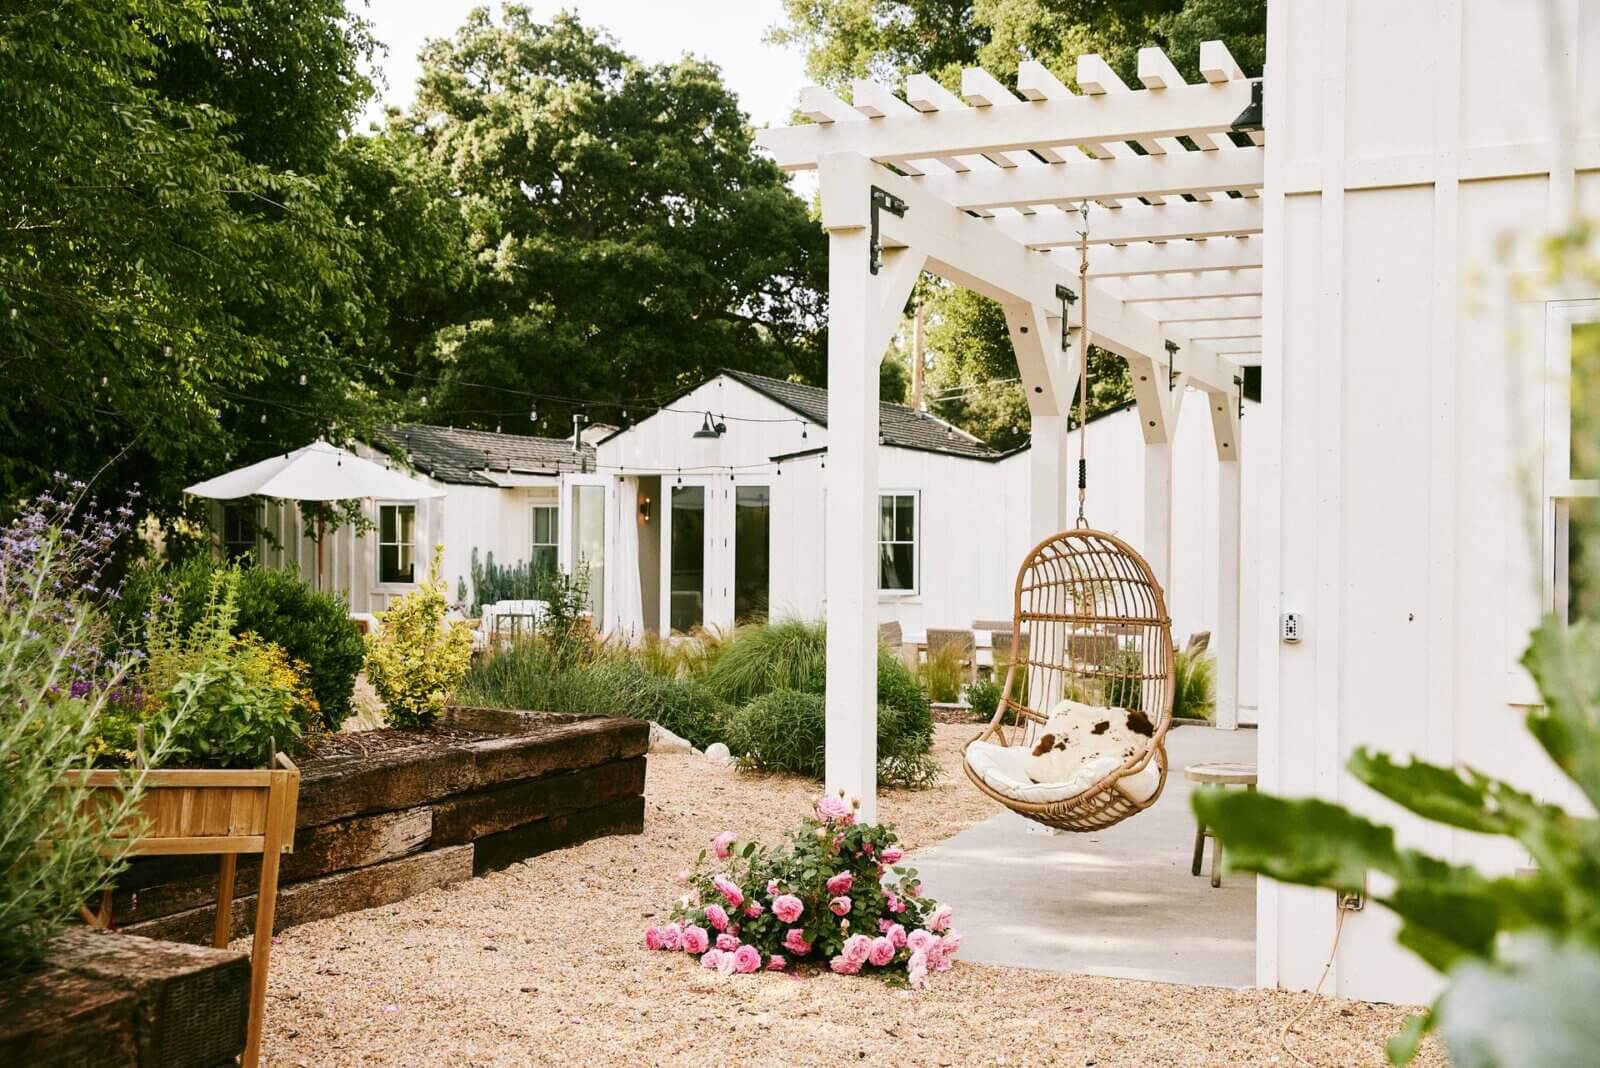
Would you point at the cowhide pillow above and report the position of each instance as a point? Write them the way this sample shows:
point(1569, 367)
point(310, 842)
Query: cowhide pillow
point(1077, 733)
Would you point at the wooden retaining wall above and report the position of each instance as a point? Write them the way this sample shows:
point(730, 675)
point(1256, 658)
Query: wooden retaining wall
point(376, 828)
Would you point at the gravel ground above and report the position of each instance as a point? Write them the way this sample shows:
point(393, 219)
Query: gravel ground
point(543, 964)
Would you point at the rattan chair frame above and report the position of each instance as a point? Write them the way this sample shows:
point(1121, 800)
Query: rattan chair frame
point(1081, 594)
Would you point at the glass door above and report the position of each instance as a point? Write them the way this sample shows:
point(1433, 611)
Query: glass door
point(685, 573)
point(586, 538)
point(752, 552)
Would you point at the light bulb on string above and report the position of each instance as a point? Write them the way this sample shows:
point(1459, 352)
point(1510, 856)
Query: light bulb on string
point(103, 381)
point(533, 415)
point(302, 378)
point(263, 418)
point(166, 350)
point(802, 431)
point(424, 400)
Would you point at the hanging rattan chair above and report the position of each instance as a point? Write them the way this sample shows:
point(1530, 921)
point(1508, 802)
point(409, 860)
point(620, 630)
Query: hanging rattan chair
point(1097, 632)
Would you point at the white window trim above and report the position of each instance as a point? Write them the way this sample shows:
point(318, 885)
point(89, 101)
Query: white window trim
point(1560, 487)
point(916, 543)
point(378, 543)
point(533, 529)
point(255, 509)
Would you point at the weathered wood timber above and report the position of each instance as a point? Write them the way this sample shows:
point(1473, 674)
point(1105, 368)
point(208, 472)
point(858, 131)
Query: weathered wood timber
point(472, 816)
point(347, 786)
point(496, 851)
point(111, 999)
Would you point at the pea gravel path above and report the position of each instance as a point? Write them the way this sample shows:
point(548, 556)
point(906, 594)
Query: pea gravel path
point(543, 964)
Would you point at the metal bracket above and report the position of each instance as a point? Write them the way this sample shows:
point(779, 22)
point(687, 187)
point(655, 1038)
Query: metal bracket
point(1253, 117)
point(1172, 365)
point(1067, 298)
point(1238, 384)
point(882, 200)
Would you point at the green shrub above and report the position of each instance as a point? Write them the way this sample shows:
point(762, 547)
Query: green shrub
point(782, 730)
point(942, 674)
point(762, 657)
point(414, 661)
point(529, 674)
point(1193, 686)
point(312, 626)
point(983, 697)
point(1125, 687)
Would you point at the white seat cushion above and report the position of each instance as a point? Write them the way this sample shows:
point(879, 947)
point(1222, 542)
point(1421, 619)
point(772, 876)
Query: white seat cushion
point(1004, 769)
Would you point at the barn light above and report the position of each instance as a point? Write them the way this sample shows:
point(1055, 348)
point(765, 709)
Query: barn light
point(711, 428)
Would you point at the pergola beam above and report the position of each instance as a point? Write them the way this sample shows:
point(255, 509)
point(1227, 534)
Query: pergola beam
point(1202, 285)
point(1193, 311)
point(1080, 180)
point(1129, 116)
point(1166, 222)
point(1170, 257)
point(1220, 329)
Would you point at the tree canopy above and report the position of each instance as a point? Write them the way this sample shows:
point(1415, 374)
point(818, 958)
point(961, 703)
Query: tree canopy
point(625, 238)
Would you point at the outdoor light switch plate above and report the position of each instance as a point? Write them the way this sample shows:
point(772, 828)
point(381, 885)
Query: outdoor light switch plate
point(1289, 628)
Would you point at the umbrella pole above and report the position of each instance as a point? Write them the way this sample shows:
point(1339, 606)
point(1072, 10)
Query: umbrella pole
point(319, 550)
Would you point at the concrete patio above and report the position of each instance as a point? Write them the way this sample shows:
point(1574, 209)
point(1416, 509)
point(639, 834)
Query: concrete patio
point(1119, 903)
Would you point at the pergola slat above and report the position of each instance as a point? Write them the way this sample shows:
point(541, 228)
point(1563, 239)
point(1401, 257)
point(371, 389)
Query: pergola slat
point(1169, 257)
point(1214, 309)
point(1169, 287)
point(1222, 329)
point(1074, 182)
point(1096, 78)
point(1167, 222)
point(1157, 71)
point(942, 131)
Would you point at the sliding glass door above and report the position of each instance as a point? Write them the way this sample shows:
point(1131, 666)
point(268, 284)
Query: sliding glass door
point(752, 552)
point(686, 563)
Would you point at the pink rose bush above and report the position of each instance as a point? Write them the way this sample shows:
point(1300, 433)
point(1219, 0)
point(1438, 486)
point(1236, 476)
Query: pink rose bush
point(831, 896)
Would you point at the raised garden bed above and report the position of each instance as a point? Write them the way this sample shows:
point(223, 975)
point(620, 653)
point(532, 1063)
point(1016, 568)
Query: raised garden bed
point(111, 1000)
point(387, 814)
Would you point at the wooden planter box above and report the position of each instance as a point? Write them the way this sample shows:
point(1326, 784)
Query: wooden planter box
point(189, 811)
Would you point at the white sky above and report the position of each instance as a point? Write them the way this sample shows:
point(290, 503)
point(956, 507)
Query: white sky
point(767, 79)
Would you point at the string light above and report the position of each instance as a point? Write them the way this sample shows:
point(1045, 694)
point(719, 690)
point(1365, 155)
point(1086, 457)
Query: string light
point(302, 378)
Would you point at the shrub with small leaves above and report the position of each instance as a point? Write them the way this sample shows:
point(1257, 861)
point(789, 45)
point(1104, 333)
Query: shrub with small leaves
point(415, 658)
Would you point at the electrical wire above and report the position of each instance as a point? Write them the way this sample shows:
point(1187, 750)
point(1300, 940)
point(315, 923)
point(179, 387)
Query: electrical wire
point(1316, 991)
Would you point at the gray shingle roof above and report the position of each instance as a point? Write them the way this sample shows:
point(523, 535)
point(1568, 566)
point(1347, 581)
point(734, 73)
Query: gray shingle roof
point(451, 455)
point(898, 425)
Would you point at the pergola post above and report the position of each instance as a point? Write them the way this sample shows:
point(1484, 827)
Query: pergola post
point(1230, 470)
point(863, 309)
point(1047, 477)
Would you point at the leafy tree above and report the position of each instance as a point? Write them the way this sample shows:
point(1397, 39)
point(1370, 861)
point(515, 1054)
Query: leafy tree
point(626, 239)
point(171, 256)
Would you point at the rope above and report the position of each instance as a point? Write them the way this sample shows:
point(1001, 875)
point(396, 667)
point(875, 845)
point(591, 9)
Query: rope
point(1083, 365)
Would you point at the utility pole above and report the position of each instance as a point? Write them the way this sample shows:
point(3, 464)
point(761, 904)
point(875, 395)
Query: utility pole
point(916, 357)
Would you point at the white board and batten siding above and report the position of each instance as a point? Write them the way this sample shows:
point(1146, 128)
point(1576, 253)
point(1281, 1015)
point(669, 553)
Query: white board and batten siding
point(1413, 166)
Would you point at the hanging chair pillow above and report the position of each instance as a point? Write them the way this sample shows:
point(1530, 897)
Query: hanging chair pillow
point(1077, 735)
point(1004, 769)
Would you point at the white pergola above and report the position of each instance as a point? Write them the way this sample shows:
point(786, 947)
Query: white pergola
point(982, 188)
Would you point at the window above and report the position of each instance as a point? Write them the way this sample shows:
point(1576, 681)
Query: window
point(546, 552)
point(1575, 463)
point(687, 564)
point(239, 529)
point(397, 527)
point(752, 552)
point(897, 542)
point(589, 542)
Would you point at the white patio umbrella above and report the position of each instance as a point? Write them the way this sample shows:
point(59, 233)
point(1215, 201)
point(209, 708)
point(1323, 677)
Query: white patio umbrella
point(316, 472)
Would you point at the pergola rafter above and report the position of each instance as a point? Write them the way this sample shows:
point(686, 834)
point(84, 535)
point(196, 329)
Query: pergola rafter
point(982, 187)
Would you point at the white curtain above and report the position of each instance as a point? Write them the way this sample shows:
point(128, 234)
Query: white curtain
point(627, 604)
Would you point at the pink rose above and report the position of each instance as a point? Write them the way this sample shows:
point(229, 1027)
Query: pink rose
point(893, 903)
point(938, 958)
point(867, 848)
point(776, 963)
point(952, 943)
point(684, 876)
point(671, 935)
point(843, 966)
point(710, 959)
point(727, 942)
point(694, 940)
point(652, 938)
point(840, 905)
point(835, 810)
point(729, 890)
point(772, 887)
point(857, 948)
point(717, 917)
point(787, 907)
point(795, 942)
point(883, 926)
point(897, 935)
point(892, 855)
point(940, 919)
point(918, 940)
point(754, 909)
point(746, 959)
point(723, 844)
point(841, 883)
point(726, 964)
point(917, 971)
point(882, 951)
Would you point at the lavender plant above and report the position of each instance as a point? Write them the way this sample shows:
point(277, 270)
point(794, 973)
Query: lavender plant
point(56, 849)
